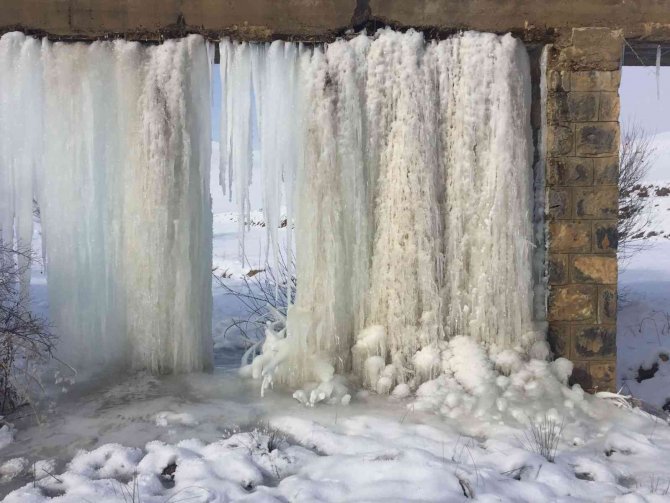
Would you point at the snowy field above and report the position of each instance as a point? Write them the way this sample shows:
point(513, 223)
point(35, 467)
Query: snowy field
point(643, 330)
point(466, 435)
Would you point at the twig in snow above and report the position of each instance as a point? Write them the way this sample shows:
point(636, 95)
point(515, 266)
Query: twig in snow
point(543, 436)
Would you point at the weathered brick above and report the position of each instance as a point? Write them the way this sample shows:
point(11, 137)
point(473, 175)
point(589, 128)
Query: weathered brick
point(593, 80)
point(569, 236)
point(583, 106)
point(607, 304)
point(557, 269)
point(606, 171)
point(605, 237)
point(594, 269)
point(558, 337)
point(571, 171)
point(560, 140)
point(558, 80)
point(596, 203)
point(557, 108)
point(609, 107)
point(572, 303)
point(603, 375)
point(559, 203)
point(595, 138)
point(594, 342)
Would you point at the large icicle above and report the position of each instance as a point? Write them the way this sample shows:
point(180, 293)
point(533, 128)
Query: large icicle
point(275, 89)
point(236, 123)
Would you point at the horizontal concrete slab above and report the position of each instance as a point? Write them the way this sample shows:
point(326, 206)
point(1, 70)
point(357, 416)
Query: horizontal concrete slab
point(153, 20)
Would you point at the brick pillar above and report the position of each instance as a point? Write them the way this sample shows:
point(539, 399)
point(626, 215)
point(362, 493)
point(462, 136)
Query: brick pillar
point(583, 75)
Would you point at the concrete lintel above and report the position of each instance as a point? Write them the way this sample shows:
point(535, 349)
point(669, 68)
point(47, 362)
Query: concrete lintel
point(323, 20)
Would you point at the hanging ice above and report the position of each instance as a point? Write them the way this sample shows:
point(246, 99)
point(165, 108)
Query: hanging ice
point(20, 137)
point(412, 197)
point(407, 265)
point(487, 158)
point(122, 171)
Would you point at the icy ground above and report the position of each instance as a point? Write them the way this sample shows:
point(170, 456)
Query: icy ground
point(643, 329)
point(464, 435)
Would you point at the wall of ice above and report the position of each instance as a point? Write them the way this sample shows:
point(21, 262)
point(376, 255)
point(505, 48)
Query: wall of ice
point(406, 166)
point(112, 139)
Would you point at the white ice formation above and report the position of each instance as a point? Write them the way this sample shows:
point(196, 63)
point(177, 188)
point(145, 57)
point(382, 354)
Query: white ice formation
point(116, 137)
point(406, 166)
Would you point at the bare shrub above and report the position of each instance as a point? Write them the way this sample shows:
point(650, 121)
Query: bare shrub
point(267, 437)
point(26, 342)
point(636, 158)
point(543, 436)
point(265, 295)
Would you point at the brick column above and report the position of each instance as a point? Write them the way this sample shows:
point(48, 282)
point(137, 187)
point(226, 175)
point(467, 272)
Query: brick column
point(583, 75)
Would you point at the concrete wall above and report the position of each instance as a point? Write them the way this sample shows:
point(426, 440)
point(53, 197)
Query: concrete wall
point(537, 20)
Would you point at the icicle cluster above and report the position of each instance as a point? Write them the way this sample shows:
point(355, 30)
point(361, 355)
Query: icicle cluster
point(407, 169)
point(116, 136)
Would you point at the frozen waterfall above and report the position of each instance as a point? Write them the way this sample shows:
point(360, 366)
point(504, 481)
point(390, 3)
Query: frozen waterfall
point(403, 166)
point(116, 137)
point(406, 167)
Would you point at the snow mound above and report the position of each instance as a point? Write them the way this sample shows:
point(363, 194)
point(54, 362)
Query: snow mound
point(508, 385)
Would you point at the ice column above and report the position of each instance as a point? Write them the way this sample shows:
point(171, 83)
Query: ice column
point(167, 231)
point(116, 136)
point(407, 264)
point(487, 158)
point(332, 236)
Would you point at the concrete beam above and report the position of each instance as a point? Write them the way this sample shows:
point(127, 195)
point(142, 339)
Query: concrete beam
point(639, 19)
point(323, 20)
point(153, 20)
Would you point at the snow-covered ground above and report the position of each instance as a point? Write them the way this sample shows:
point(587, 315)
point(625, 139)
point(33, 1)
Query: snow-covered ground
point(467, 434)
point(211, 438)
point(643, 329)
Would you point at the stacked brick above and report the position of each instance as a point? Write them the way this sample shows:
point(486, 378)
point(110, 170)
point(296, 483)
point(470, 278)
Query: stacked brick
point(583, 76)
